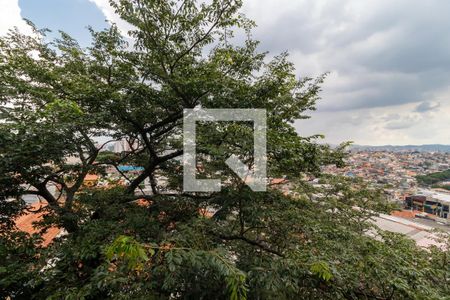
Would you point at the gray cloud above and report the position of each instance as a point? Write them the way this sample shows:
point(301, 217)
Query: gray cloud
point(384, 52)
point(427, 106)
point(389, 64)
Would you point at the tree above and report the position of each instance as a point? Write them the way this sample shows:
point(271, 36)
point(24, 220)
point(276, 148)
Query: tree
point(59, 99)
point(433, 178)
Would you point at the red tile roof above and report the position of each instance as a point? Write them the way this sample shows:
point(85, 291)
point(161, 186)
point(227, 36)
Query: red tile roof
point(25, 223)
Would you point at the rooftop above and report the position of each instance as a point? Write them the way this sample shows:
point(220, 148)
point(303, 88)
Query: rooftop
point(420, 233)
point(435, 195)
point(26, 223)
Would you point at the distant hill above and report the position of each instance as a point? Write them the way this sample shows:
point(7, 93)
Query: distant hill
point(405, 148)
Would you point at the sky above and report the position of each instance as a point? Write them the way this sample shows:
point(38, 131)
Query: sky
point(388, 61)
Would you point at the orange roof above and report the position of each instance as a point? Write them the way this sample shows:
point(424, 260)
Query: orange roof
point(25, 223)
point(91, 177)
point(278, 181)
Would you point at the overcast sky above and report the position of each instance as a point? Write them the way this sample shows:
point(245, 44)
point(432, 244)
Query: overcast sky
point(389, 60)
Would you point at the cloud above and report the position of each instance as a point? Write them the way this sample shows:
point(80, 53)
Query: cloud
point(397, 121)
point(384, 58)
point(427, 106)
point(382, 53)
point(10, 17)
point(112, 17)
point(398, 125)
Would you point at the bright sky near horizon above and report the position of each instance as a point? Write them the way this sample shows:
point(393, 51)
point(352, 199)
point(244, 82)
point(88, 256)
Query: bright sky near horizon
point(389, 61)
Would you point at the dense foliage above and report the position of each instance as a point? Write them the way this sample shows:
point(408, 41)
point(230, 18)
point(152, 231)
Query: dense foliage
point(433, 178)
point(59, 100)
